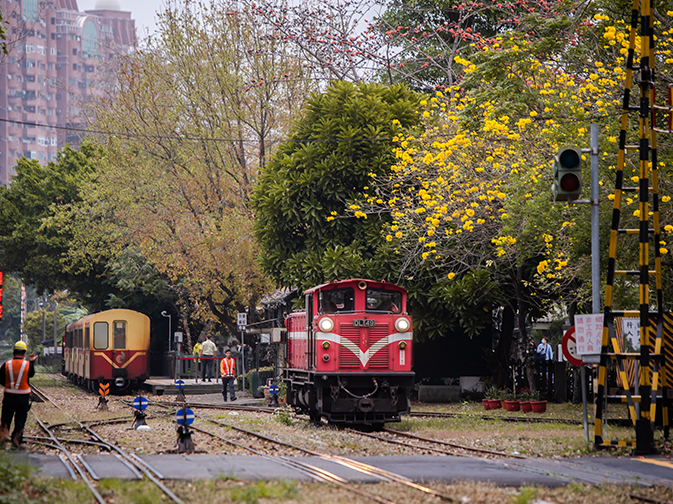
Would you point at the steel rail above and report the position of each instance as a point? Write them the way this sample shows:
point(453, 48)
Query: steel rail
point(345, 461)
point(43, 396)
point(316, 473)
point(66, 440)
point(402, 443)
point(97, 496)
point(96, 436)
point(452, 445)
point(121, 452)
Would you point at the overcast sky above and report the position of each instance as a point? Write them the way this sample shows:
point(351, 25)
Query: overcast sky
point(143, 11)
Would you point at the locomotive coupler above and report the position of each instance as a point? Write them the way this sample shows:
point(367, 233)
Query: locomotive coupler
point(139, 419)
point(184, 442)
point(393, 395)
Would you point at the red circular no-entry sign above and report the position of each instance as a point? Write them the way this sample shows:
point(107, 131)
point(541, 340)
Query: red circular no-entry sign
point(570, 348)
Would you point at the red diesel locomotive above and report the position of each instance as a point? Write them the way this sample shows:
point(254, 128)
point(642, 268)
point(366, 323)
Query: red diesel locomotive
point(107, 347)
point(349, 353)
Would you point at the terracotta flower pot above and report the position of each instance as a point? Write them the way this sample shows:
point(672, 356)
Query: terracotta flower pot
point(525, 406)
point(502, 404)
point(494, 404)
point(539, 406)
point(487, 406)
point(512, 405)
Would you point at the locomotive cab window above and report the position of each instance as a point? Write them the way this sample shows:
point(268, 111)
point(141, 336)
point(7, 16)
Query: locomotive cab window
point(120, 334)
point(337, 300)
point(384, 300)
point(100, 335)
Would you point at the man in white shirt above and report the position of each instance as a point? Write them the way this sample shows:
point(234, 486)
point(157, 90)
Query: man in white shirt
point(208, 351)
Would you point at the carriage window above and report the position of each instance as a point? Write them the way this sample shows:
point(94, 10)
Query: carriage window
point(68, 339)
point(384, 300)
point(86, 337)
point(336, 300)
point(79, 338)
point(100, 335)
point(120, 334)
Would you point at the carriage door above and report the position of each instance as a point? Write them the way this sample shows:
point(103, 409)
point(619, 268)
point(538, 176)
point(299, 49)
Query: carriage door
point(310, 337)
point(87, 351)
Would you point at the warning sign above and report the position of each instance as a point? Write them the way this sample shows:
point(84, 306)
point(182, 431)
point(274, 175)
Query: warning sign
point(588, 333)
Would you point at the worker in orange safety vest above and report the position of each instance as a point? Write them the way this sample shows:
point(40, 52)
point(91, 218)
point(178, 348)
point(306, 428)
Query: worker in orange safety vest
point(14, 375)
point(228, 374)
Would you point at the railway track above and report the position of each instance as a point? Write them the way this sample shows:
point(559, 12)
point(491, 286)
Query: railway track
point(431, 414)
point(76, 461)
point(352, 464)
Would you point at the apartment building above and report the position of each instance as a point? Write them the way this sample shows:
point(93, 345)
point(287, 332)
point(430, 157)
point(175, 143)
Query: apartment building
point(56, 54)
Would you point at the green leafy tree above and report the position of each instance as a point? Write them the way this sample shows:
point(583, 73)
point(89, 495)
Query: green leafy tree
point(30, 246)
point(10, 325)
point(344, 135)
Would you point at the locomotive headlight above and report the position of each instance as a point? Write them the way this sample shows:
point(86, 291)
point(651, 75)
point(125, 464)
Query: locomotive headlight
point(326, 324)
point(325, 345)
point(402, 345)
point(402, 324)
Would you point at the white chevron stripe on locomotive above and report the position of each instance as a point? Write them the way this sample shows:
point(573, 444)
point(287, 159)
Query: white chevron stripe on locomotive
point(365, 356)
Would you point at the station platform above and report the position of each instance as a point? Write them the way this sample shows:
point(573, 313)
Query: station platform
point(166, 386)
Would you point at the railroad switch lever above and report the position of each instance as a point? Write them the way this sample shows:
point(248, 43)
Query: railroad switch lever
point(184, 442)
point(273, 391)
point(139, 419)
point(103, 391)
point(102, 403)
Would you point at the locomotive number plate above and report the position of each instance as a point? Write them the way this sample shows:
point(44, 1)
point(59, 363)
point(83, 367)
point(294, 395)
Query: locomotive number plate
point(364, 323)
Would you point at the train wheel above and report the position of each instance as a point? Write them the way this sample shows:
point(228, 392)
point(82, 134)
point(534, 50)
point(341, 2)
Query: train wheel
point(315, 418)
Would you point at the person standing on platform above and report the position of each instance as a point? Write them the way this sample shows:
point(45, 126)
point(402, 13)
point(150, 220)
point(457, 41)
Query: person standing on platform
point(197, 364)
point(208, 351)
point(228, 374)
point(546, 356)
point(14, 375)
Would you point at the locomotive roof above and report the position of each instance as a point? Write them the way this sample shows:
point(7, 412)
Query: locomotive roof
point(354, 282)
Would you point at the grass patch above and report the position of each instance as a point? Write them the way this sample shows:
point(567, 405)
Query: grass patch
point(263, 490)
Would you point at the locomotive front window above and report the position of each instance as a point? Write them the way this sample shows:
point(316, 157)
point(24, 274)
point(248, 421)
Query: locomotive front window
point(384, 300)
point(100, 335)
point(120, 334)
point(337, 300)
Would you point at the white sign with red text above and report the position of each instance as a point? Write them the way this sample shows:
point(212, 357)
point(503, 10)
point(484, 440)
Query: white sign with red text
point(588, 333)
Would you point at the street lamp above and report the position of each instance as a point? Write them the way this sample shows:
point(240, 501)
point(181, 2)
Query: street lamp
point(168, 315)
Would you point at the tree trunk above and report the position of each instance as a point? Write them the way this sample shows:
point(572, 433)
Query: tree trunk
point(501, 370)
point(524, 340)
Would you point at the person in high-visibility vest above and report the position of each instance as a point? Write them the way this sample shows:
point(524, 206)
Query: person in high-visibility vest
point(228, 374)
point(14, 375)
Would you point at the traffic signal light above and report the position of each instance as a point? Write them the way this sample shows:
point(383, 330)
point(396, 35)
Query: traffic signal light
point(567, 174)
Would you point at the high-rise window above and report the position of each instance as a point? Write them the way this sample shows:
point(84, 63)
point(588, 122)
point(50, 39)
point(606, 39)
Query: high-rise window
point(89, 39)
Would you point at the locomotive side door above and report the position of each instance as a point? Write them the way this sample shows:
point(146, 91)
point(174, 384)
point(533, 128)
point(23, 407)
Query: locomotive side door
point(310, 336)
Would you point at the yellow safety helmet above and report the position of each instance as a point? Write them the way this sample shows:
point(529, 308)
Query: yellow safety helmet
point(21, 346)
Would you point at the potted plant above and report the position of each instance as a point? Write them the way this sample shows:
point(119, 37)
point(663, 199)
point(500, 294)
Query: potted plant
point(537, 405)
point(489, 394)
point(524, 402)
point(511, 403)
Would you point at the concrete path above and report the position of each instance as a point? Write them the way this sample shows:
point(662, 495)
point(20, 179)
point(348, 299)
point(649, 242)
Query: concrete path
point(423, 469)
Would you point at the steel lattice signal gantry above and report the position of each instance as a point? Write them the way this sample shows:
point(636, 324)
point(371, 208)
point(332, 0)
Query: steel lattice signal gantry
point(651, 379)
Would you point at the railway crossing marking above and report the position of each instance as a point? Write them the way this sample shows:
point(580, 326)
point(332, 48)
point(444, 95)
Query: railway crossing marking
point(662, 463)
point(185, 417)
point(104, 391)
point(139, 404)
